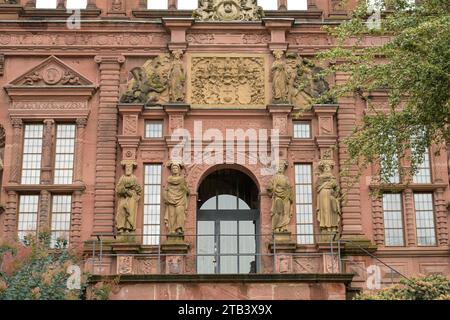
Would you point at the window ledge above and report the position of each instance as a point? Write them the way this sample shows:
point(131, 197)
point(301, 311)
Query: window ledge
point(47, 187)
point(399, 187)
point(58, 13)
point(296, 14)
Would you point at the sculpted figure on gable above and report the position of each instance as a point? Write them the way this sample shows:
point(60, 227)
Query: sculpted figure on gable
point(228, 10)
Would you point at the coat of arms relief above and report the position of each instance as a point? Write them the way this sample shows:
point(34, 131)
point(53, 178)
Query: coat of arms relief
point(227, 81)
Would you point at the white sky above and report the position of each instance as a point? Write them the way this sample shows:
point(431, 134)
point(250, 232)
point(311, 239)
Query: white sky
point(182, 4)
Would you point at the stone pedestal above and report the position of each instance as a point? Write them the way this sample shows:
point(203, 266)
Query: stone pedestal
point(125, 257)
point(283, 248)
point(175, 250)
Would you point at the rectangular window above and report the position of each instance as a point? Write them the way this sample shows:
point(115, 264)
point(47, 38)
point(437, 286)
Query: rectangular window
point(61, 212)
point(64, 153)
point(32, 153)
point(268, 4)
point(28, 216)
point(297, 4)
point(46, 4)
point(157, 4)
point(393, 219)
point(389, 177)
point(302, 130)
point(426, 234)
point(423, 174)
point(152, 204)
point(154, 129)
point(304, 203)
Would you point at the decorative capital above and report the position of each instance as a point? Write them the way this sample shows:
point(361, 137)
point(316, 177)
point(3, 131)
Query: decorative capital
point(110, 59)
point(81, 122)
point(17, 122)
point(49, 122)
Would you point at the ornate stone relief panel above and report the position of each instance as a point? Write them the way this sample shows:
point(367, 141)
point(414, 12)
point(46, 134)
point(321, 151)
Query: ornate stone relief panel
point(228, 10)
point(51, 72)
point(227, 81)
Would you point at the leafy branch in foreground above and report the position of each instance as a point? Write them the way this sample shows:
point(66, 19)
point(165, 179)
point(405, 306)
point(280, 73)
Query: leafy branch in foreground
point(412, 67)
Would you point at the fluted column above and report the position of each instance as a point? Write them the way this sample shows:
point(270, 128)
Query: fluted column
point(17, 125)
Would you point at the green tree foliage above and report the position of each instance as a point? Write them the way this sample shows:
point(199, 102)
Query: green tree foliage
point(34, 271)
point(434, 287)
point(412, 66)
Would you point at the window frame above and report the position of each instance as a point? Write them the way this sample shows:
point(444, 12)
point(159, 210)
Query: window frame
point(145, 204)
point(54, 146)
point(402, 220)
point(155, 121)
point(308, 122)
point(18, 231)
point(298, 203)
point(52, 197)
point(23, 153)
point(433, 210)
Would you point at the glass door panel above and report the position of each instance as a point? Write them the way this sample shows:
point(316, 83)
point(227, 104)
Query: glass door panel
point(206, 248)
point(228, 247)
point(247, 247)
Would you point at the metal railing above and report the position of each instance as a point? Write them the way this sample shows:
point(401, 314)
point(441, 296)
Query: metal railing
point(267, 253)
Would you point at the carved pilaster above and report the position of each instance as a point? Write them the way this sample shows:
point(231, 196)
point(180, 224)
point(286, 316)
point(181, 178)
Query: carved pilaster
point(117, 7)
point(105, 173)
point(44, 211)
point(10, 225)
point(176, 113)
point(377, 220)
point(441, 217)
point(79, 143)
point(2, 64)
point(47, 151)
point(76, 219)
point(17, 125)
point(327, 137)
point(280, 114)
point(61, 4)
point(410, 217)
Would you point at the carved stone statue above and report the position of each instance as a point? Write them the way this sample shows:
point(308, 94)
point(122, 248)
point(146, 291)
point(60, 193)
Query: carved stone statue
point(305, 82)
point(149, 83)
point(177, 78)
point(176, 199)
point(282, 198)
point(228, 10)
point(279, 78)
point(328, 198)
point(128, 192)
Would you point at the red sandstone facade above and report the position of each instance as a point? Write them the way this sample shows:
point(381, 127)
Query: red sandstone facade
point(98, 57)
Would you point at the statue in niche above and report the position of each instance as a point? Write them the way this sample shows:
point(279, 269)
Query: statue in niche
point(129, 192)
point(282, 198)
point(149, 84)
point(176, 197)
point(279, 78)
point(305, 82)
point(328, 197)
point(177, 78)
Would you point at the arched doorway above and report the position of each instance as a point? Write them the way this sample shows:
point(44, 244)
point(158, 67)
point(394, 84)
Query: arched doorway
point(227, 223)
